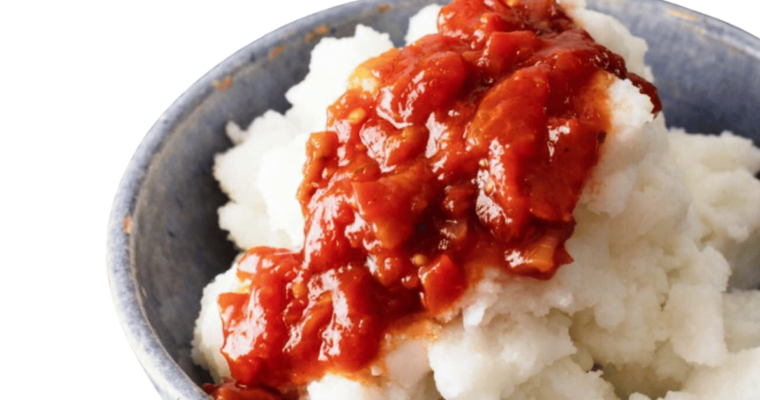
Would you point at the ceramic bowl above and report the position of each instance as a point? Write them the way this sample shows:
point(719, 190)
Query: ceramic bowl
point(164, 244)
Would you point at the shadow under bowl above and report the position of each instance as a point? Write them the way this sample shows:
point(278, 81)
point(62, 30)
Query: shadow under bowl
point(164, 243)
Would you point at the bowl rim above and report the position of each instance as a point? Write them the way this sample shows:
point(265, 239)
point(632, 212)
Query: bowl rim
point(167, 377)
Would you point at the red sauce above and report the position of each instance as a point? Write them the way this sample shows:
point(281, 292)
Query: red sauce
point(467, 149)
point(231, 391)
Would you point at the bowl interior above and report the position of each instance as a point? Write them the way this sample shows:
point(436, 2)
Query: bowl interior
point(707, 72)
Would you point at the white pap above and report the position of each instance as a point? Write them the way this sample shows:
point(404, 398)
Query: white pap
point(661, 300)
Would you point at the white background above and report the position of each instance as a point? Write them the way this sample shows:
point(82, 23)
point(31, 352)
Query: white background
point(82, 81)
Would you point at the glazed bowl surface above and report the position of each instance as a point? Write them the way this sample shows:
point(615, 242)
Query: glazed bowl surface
point(164, 243)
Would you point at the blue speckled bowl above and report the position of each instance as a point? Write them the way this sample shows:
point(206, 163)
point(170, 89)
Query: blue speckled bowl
point(164, 243)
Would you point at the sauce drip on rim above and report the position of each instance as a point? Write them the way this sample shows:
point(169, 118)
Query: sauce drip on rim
point(465, 150)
